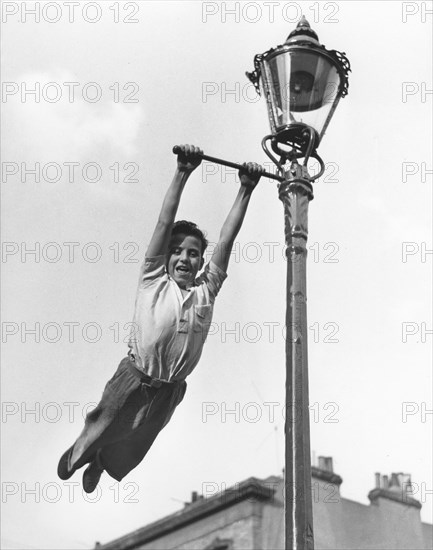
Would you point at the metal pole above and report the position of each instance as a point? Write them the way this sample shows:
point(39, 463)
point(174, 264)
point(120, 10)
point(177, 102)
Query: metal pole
point(295, 193)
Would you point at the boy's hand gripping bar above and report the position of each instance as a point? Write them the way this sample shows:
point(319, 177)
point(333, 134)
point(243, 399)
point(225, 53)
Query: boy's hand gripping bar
point(230, 164)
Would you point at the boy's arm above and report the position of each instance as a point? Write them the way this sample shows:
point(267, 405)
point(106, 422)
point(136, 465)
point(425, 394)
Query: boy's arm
point(249, 177)
point(188, 159)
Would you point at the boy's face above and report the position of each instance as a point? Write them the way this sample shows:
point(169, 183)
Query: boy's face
point(184, 259)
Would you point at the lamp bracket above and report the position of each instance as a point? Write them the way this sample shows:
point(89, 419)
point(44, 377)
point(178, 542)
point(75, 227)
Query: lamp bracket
point(279, 163)
point(322, 166)
point(291, 156)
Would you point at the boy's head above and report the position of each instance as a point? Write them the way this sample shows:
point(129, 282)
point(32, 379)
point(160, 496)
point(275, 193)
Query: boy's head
point(186, 250)
point(190, 228)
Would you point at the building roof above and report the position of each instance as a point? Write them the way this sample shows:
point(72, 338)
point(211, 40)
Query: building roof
point(251, 488)
point(254, 508)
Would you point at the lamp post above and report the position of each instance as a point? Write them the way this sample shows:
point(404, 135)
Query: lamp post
point(302, 82)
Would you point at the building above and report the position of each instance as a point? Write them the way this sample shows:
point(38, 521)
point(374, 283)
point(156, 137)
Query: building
point(250, 516)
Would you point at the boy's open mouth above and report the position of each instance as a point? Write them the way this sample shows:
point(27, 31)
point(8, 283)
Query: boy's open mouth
point(182, 269)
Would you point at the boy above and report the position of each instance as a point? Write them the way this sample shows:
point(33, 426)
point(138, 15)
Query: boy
point(173, 311)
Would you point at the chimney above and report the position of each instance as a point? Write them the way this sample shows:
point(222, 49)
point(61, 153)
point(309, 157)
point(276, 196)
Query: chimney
point(395, 482)
point(329, 464)
point(325, 463)
point(398, 489)
point(405, 482)
point(377, 477)
point(194, 496)
point(325, 471)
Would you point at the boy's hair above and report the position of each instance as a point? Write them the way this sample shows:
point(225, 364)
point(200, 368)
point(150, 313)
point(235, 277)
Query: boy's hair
point(190, 228)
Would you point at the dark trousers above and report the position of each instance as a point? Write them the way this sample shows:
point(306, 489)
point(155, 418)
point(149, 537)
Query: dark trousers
point(122, 428)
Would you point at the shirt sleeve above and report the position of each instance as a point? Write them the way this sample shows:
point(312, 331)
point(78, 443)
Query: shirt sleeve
point(151, 269)
point(213, 277)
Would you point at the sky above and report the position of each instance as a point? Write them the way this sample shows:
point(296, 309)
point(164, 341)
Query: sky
point(86, 159)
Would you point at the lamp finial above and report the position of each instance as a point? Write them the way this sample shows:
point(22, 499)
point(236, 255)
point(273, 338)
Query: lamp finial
point(303, 22)
point(304, 32)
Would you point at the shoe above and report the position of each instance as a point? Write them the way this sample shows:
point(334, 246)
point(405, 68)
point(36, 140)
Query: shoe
point(63, 470)
point(91, 477)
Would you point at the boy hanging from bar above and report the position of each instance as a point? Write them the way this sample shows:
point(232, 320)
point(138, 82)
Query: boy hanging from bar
point(173, 311)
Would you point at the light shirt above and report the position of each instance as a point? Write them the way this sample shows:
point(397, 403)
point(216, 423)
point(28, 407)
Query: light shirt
point(169, 329)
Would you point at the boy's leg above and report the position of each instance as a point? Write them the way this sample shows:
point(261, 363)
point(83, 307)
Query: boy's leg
point(118, 459)
point(102, 425)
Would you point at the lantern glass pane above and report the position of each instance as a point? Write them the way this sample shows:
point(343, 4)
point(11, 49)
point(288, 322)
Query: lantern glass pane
point(302, 88)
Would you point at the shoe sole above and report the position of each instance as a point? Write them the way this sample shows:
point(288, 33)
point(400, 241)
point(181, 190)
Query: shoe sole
point(89, 481)
point(63, 470)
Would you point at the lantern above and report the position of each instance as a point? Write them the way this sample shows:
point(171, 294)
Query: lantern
point(302, 82)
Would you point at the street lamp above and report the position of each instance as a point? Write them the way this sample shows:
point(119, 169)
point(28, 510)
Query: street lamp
point(302, 82)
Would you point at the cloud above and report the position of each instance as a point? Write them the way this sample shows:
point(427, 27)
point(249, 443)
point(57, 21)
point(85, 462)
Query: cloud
point(64, 130)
